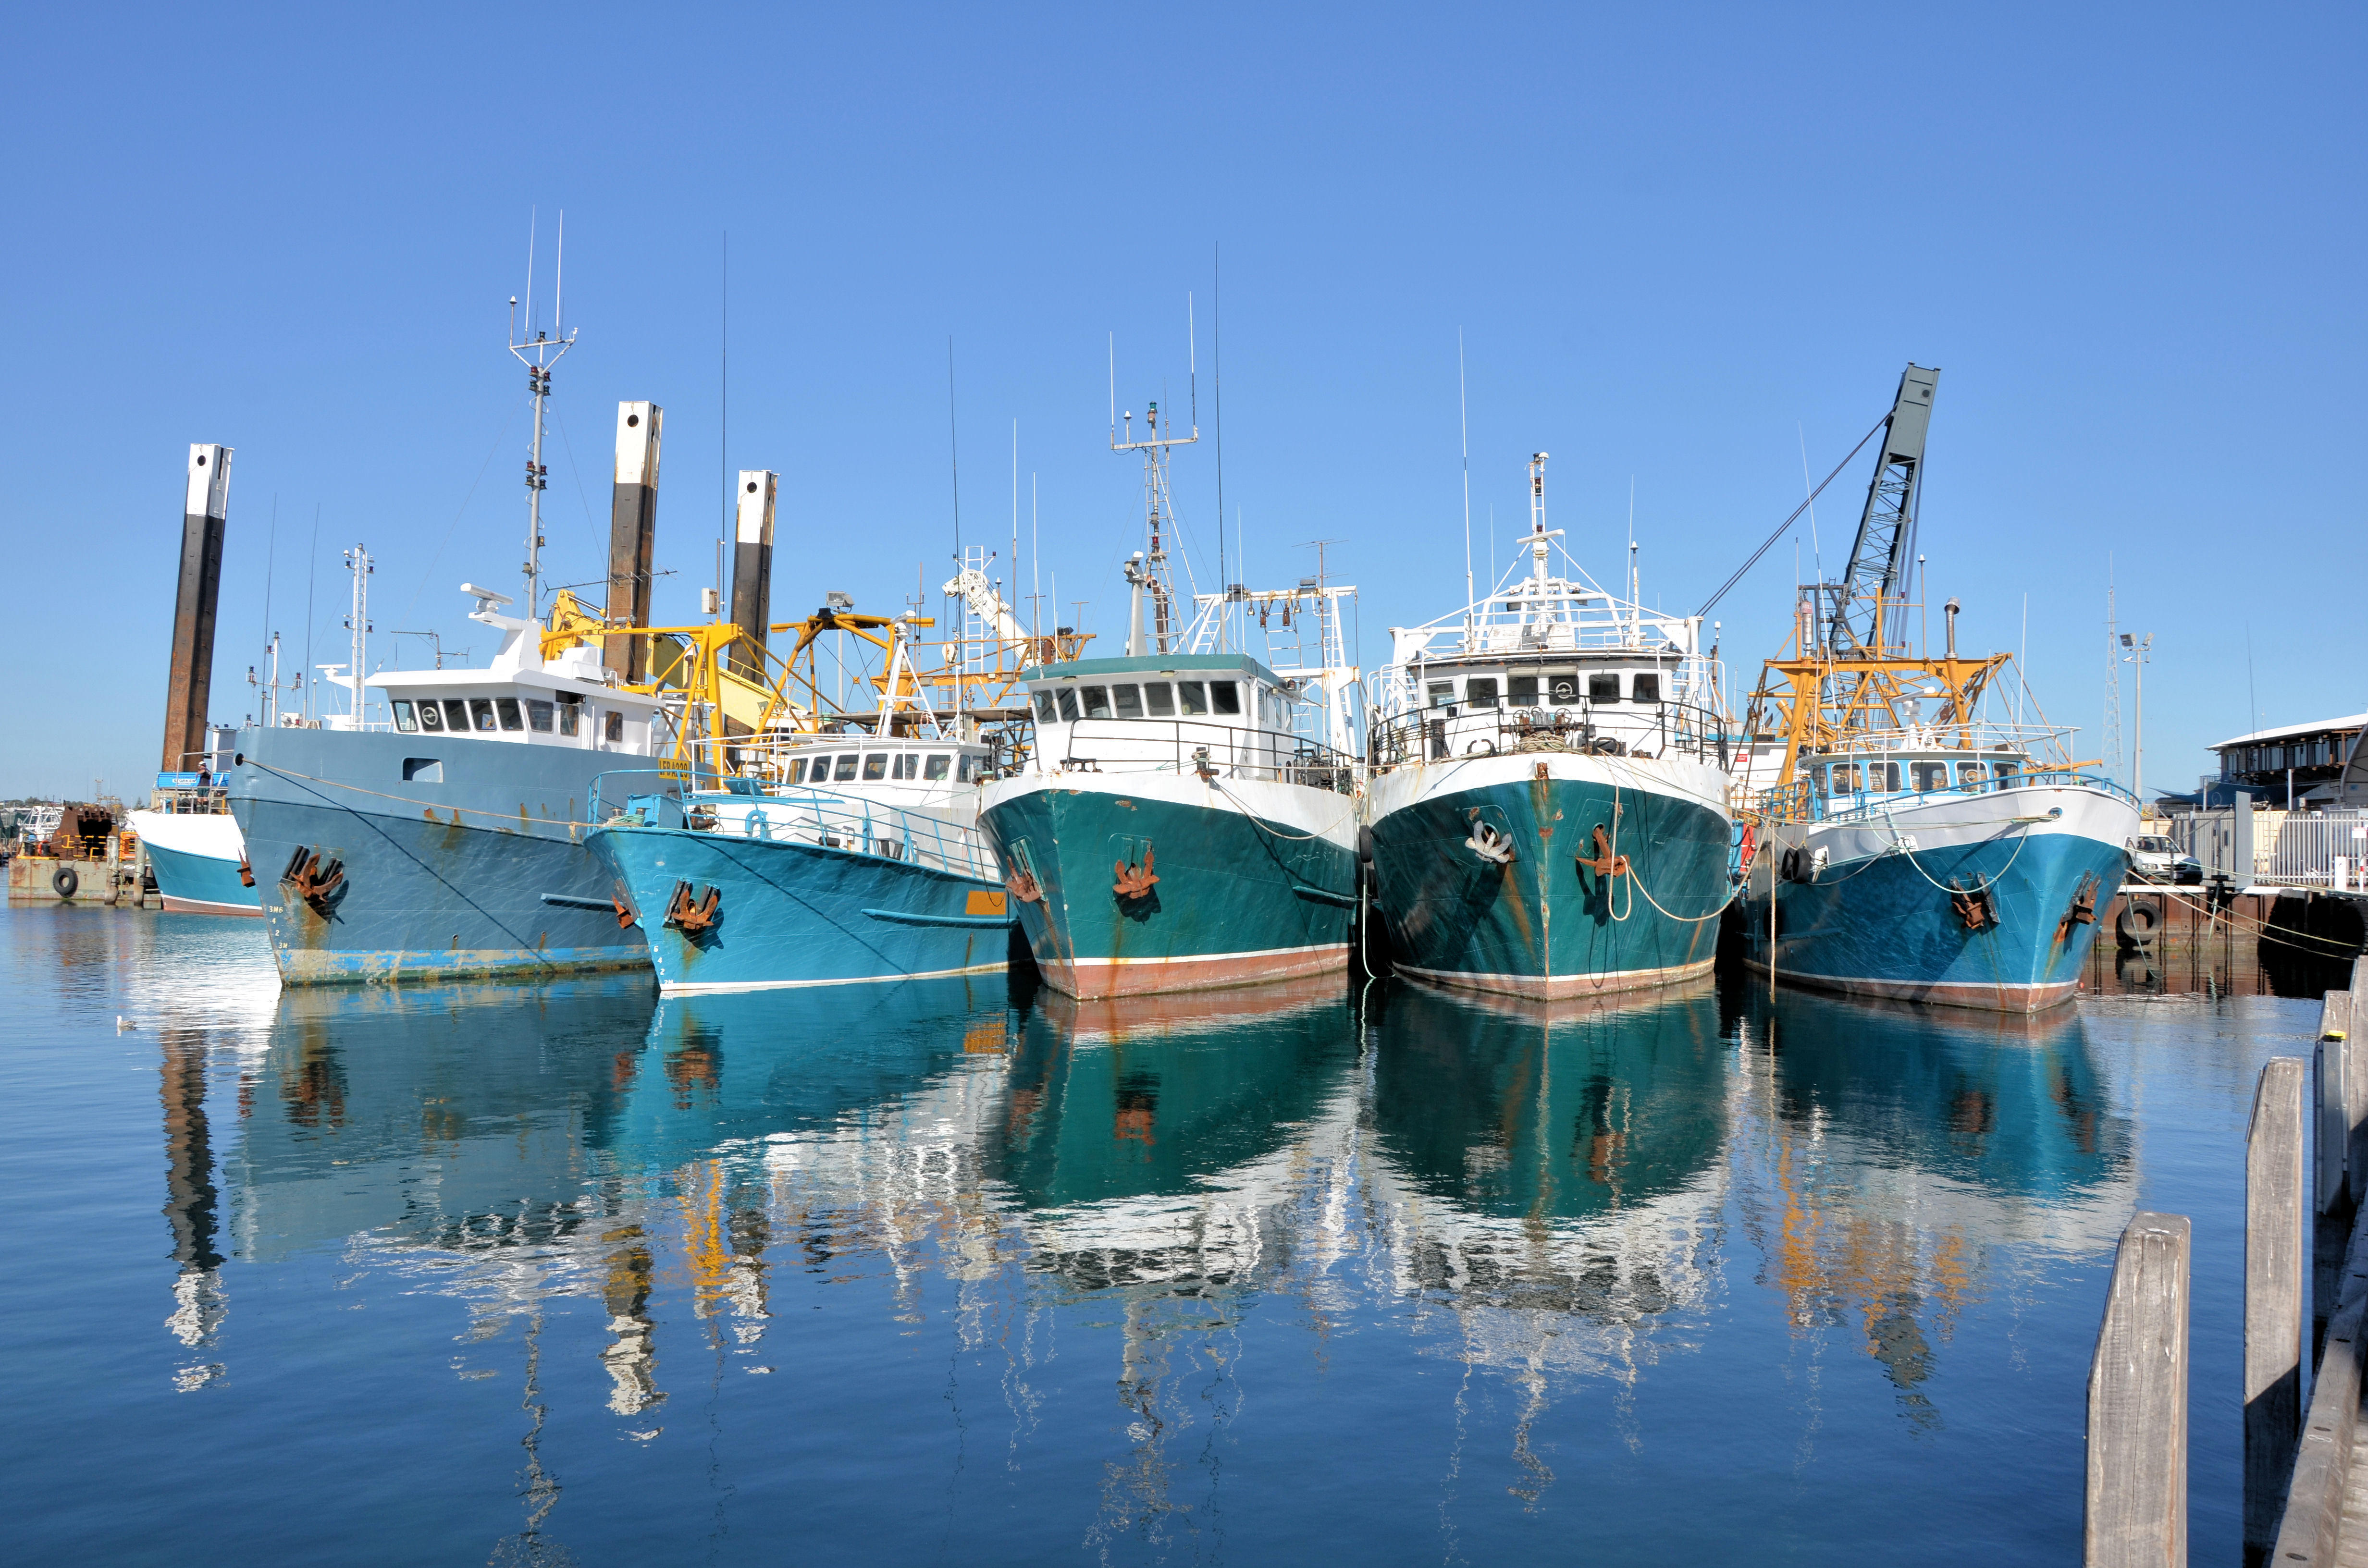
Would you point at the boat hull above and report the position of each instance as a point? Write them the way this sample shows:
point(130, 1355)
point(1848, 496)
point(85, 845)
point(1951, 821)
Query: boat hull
point(1877, 919)
point(1257, 881)
point(1542, 924)
point(195, 857)
point(447, 880)
point(797, 915)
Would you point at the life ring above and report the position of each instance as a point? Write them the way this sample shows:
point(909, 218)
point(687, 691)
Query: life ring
point(64, 880)
point(2140, 919)
point(1749, 846)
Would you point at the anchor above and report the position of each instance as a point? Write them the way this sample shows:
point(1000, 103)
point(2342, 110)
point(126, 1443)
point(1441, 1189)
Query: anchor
point(1021, 885)
point(2083, 911)
point(1497, 848)
point(313, 880)
point(693, 917)
point(246, 871)
point(1974, 906)
point(1135, 882)
point(1605, 864)
point(627, 915)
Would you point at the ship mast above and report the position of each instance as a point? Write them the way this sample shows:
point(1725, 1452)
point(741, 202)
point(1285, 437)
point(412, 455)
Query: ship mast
point(537, 354)
point(1147, 572)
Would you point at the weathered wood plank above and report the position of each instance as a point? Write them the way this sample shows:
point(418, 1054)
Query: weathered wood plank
point(2136, 1504)
point(2273, 1296)
point(2334, 1129)
point(2312, 1530)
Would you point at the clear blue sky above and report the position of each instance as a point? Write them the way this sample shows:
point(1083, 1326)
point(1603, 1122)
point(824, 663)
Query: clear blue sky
point(1678, 242)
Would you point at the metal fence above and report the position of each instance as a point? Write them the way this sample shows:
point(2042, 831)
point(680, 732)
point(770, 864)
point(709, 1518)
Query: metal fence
point(2310, 843)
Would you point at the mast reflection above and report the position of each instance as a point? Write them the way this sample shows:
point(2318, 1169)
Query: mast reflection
point(192, 1204)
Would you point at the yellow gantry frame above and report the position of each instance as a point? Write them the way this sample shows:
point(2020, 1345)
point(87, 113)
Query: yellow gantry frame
point(1792, 694)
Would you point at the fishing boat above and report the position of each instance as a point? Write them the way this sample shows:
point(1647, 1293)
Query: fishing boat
point(1912, 842)
point(195, 851)
point(1176, 824)
point(849, 855)
point(1548, 794)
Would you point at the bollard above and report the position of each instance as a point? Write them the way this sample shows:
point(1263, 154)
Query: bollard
point(2135, 1508)
point(2273, 1300)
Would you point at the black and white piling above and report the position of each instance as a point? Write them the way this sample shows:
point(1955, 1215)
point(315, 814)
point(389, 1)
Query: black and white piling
point(632, 530)
point(752, 569)
point(204, 521)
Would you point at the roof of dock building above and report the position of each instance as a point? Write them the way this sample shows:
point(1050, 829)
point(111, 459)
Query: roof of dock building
point(2287, 732)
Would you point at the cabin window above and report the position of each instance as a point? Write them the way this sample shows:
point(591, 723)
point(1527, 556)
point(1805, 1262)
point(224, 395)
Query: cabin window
point(1647, 688)
point(1927, 776)
point(1565, 688)
point(971, 768)
point(1127, 701)
point(1481, 691)
point(1159, 699)
point(908, 765)
point(875, 766)
point(615, 727)
point(846, 772)
point(1845, 778)
point(571, 712)
point(1069, 704)
point(1441, 693)
point(1097, 701)
point(481, 714)
point(430, 716)
point(1193, 695)
point(938, 763)
point(403, 719)
point(1881, 775)
point(1224, 696)
point(456, 714)
point(1971, 773)
point(1603, 688)
point(1522, 691)
point(1044, 709)
point(2004, 768)
point(508, 706)
point(537, 716)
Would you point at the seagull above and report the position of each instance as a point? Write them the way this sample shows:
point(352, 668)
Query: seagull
point(124, 1024)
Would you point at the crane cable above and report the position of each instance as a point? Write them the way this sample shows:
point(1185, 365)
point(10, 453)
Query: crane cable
point(1725, 587)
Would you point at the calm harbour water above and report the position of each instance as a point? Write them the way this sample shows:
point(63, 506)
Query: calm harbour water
point(950, 1272)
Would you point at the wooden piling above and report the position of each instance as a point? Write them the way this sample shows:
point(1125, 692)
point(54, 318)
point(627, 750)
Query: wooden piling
point(2333, 1141)
point(2273, 1296)
point(2312, 1529)
point(2136, 1510)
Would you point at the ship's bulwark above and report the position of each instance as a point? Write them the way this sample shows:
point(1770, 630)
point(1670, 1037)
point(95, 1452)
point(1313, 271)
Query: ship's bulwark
point(791, 913)
point(1545, 924)
point(1239, 899)
point(440, 880)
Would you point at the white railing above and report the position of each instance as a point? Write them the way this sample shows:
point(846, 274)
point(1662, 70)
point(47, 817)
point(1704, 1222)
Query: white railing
point(2309, 844)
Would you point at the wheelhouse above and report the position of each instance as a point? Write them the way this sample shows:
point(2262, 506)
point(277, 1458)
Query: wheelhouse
point(1171, 712)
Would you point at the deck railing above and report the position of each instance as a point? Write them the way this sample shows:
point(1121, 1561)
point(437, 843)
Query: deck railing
point(780, 813)
point(1437, 734)
point(1187, 745)
point(1799, 803)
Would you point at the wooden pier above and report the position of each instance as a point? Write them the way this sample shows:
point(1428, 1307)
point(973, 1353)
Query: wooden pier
point(2305, 1302)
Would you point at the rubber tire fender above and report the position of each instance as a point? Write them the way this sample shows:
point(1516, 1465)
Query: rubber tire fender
point(1365, 844)
point(2138, 924)
point(65, 882)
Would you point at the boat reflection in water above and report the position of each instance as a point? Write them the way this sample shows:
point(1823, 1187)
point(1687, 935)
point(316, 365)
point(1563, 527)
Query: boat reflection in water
point(1191, 1195)
point(1888, 1156)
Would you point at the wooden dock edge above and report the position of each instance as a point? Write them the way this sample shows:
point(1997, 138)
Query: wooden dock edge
point(2314, 1512)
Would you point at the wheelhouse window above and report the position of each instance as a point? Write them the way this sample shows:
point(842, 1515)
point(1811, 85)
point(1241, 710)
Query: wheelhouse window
point(614, 726)
point(1127, 701)
point(2004, 768)
point(845, 770)
point(1044, 708)
point(571, 712)
point(508, 706)
point(1971, 774)
point(939, 762)
point(1159, 699)
point(1442, 693)
point(1563, 689)
point(430, 716)
point(908, 765)
point(1603, 688)
point(1646, 688)
point(480, 709)
point(1481, 691)
point(1224, 696)
point(1881, 775)
point(1193, 695)
point(969, 768)
point(403, 718)
point(537, 716)
point(875, 766)
point(1845, 775)
point(1522, 691)
point(1069, 704)
point(1927, 777)
point(456, 714)
point(1097, 701)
